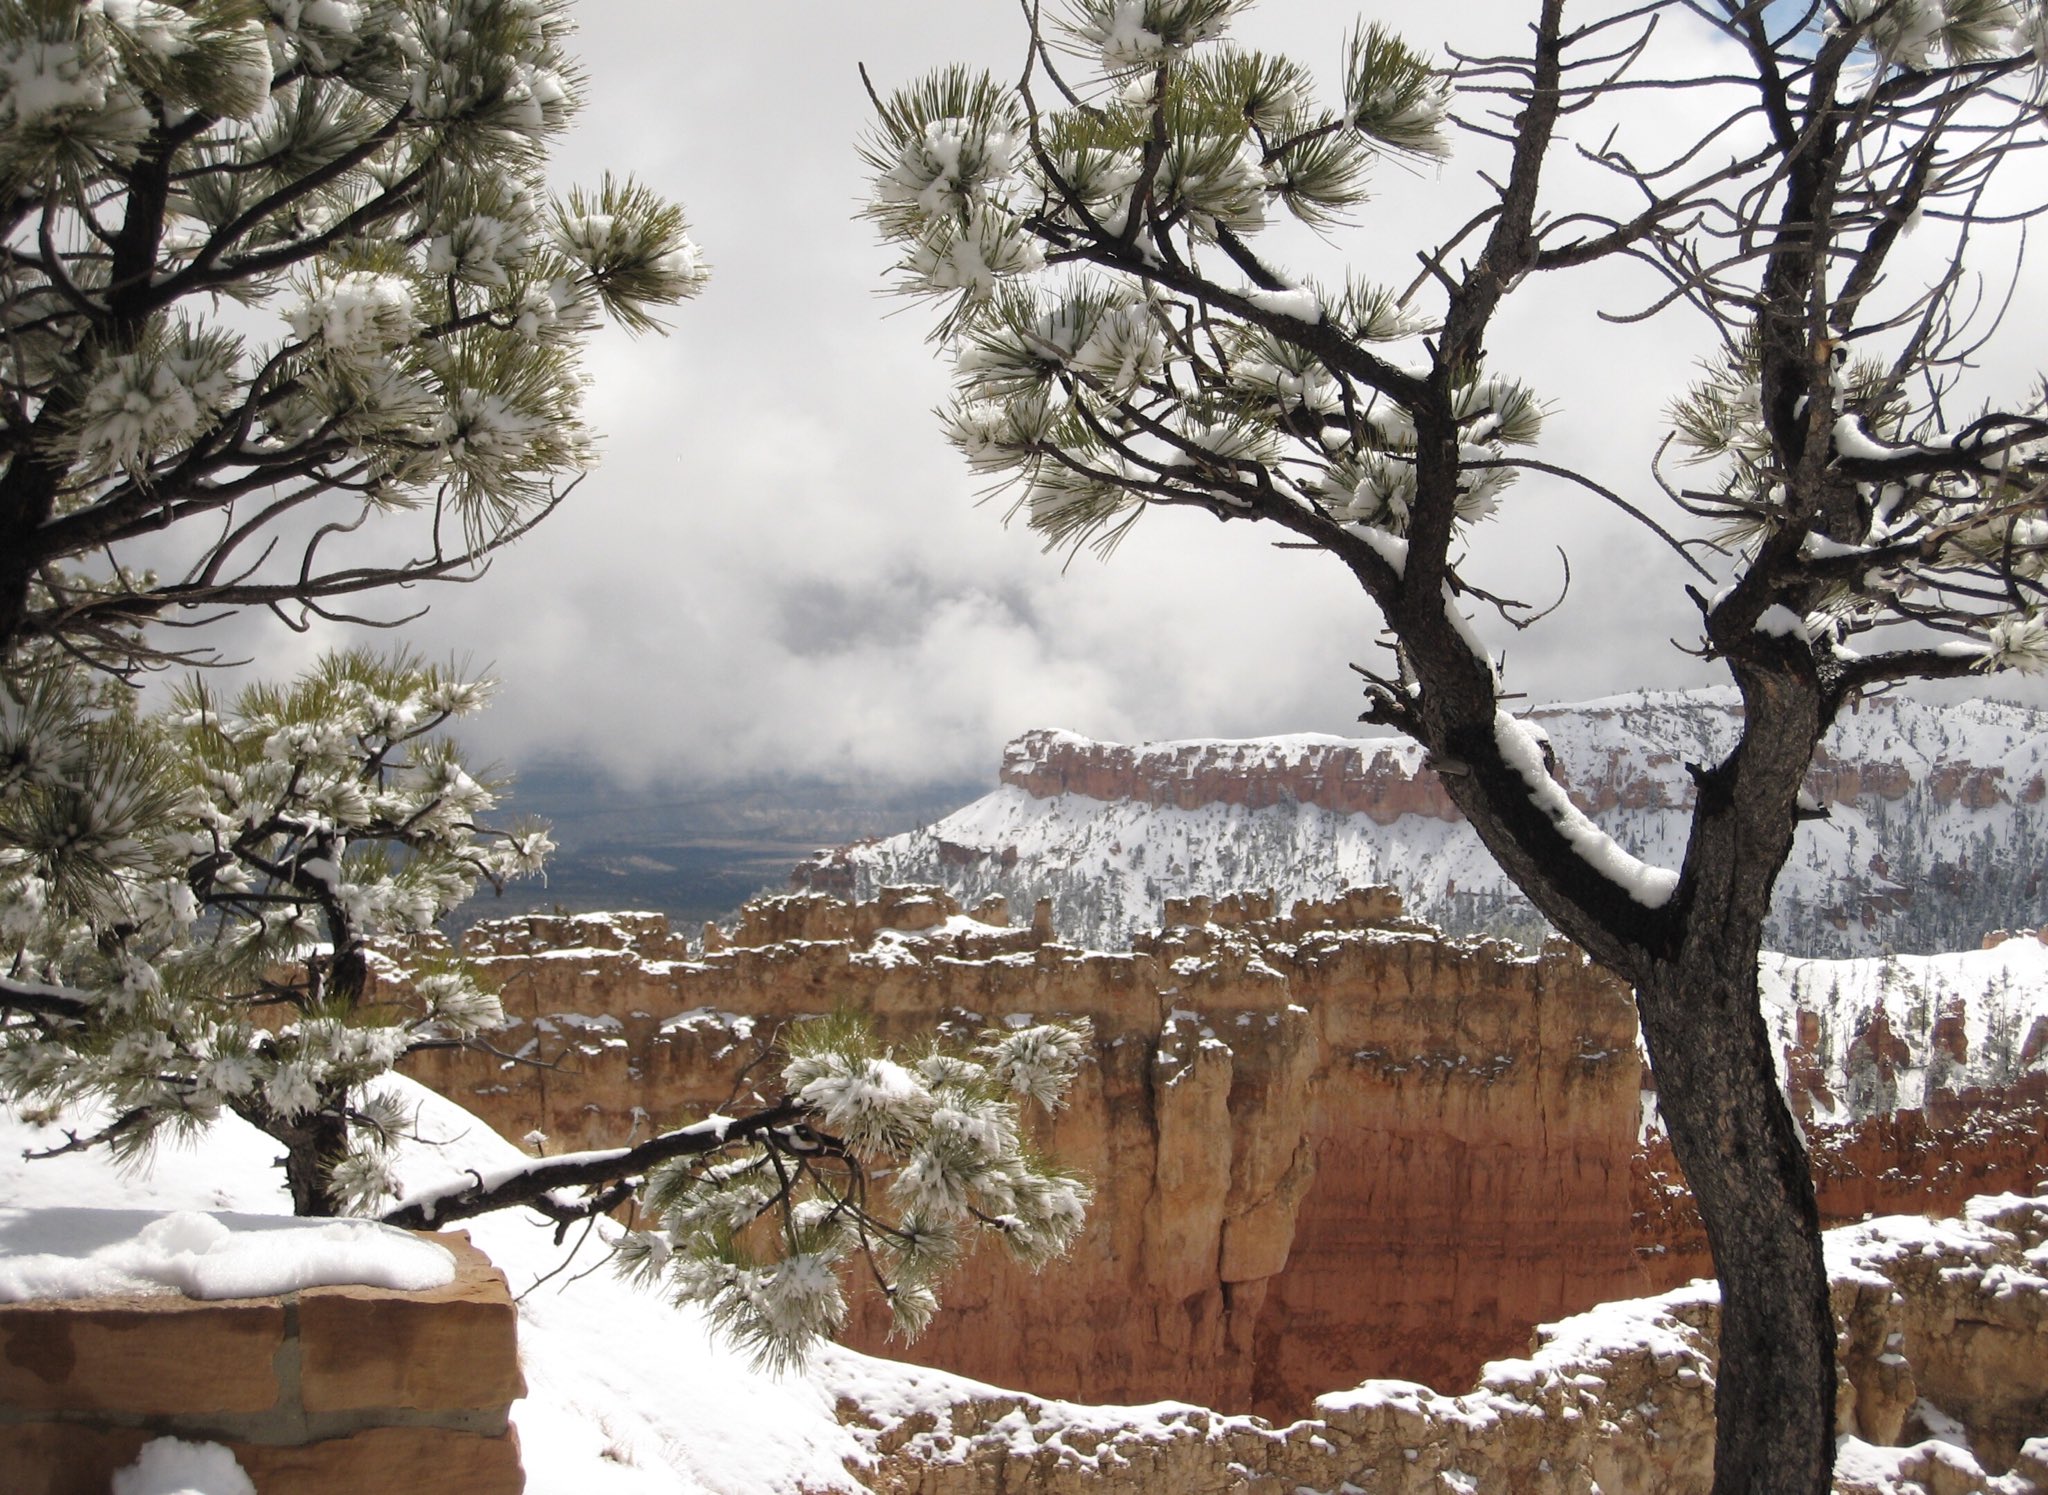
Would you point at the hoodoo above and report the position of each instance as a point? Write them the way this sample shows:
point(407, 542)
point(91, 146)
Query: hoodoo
point(1328, 1144)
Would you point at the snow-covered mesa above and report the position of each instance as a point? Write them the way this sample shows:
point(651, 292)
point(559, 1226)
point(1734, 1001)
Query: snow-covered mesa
point(1936, 817)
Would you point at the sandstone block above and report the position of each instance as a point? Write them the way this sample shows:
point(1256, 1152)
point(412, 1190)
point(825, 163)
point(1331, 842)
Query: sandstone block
point(389, 1461)
point(135, 1355)
point(64, 1458)
point(452, 1348)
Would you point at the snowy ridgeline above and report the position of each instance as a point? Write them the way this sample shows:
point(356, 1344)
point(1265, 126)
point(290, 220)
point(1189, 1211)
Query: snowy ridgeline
point(1933, 838)
point(1889, 1033)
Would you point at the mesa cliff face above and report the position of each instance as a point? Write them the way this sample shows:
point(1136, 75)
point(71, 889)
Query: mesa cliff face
point(1942, 1386)
point(1328, 1146)
point(1938, 816)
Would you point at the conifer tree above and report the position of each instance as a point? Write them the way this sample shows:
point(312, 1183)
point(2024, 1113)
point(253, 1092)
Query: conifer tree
point(1094, 238)
point(290, 314)
point(196, 905)
point(291, 317)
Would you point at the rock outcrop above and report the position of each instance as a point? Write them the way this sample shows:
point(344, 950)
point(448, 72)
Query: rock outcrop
point(1942, 1354)
point(1384, 780)
point(323, 1391)
point(1330, 1145)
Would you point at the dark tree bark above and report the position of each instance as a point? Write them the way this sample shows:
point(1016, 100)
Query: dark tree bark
point(312, 1147)
point(1777, 221)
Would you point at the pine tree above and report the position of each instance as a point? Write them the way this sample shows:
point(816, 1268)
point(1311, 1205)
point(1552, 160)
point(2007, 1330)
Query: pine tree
point(1124, 338)
point(283, 279)
point(292, 317)
point(197, 906)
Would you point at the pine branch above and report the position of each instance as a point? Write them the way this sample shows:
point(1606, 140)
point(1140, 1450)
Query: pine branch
point(543, 1176)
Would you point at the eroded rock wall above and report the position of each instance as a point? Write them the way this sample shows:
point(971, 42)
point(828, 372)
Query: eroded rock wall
point(1328, 1146)
point(1942, 1354)
point(1611, 767)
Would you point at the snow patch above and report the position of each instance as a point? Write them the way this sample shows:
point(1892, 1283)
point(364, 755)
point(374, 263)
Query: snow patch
point(88, 1253)
point(171, 1466)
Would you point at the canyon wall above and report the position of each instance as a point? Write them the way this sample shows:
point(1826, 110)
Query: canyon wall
point(1328, 1145)
point(1937, 821)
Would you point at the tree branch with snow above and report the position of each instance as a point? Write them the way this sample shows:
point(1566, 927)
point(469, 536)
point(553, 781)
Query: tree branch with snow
point(1125, 337)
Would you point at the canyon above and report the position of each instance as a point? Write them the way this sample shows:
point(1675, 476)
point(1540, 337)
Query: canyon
point(1328, 1143)
point(1935, 823)
point(1942, 1370)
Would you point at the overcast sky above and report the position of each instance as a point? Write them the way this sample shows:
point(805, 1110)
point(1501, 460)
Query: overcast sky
point(780, 565)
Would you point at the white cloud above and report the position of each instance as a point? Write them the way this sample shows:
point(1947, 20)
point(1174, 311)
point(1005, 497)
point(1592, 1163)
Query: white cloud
point(779, 564)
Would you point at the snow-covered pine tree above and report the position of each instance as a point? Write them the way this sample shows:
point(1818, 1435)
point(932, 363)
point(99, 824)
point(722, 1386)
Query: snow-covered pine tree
point(291, 317)
point(231, 906)
point(195, 906)
point(1827, 184)
point(290, 313)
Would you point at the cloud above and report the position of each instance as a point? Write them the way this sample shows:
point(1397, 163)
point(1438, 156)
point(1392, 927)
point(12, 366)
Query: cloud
point(780, 566)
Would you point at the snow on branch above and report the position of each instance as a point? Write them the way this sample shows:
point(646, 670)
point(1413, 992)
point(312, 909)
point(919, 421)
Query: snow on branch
point(1649, 886)
point(534, 1182)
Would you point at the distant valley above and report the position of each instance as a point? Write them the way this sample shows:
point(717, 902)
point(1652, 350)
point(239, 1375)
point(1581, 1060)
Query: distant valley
point(692, 852)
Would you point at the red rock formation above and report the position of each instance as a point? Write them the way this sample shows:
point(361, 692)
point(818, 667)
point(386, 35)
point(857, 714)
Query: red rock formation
point(1975, 788)
point(1386, 780)
point(1928, 1161)
point(1362, 778)
point(1328, 1146)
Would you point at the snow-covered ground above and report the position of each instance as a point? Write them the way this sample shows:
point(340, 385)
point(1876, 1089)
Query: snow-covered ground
point(626, 1394)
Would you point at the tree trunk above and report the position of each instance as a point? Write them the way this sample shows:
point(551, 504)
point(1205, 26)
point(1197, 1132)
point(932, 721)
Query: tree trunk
point(1717, 1088)
point(313, 1145)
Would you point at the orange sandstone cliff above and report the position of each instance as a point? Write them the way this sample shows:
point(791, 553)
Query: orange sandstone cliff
point(1327, 1146)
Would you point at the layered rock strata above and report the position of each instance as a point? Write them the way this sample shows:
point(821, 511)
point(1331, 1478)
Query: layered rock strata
point(1329, 1145)
point(1937, 818)
point(1942, 1354)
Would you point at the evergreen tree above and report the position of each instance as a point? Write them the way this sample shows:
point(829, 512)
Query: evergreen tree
point(1124, 338)
point(291, 316)
point(206, 909)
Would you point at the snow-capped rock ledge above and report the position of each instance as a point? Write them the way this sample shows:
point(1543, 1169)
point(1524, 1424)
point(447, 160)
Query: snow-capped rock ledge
point(1943, 1356)
point(1937, 818)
